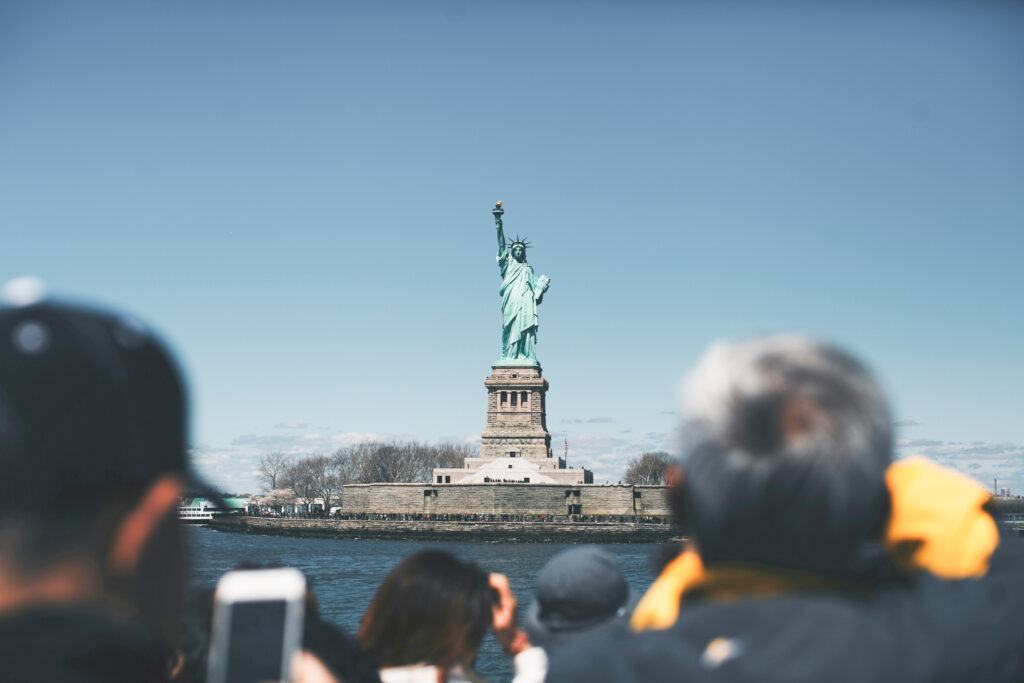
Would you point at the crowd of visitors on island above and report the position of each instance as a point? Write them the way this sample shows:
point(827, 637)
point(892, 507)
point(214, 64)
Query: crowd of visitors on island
point(485, 517)
point(811, 555)
point(463, 517)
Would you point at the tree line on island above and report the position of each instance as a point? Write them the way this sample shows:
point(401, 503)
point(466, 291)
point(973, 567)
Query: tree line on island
point(290, 479)
point(648, 468)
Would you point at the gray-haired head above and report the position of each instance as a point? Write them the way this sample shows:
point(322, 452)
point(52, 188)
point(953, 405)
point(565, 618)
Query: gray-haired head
point(786, 445)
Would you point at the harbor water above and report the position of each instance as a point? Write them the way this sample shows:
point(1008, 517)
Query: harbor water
point(345, 573)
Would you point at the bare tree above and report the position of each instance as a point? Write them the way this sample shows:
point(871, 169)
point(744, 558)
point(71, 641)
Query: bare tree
point(347, 463)
point(371, 462)
point(388, 462)
point(326, 481)
point(648, 468)
point(302, 480)
point(449, 455)
point(272, 466)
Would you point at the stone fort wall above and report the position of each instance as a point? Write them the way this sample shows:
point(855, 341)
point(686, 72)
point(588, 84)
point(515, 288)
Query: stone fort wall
point(498, 499)
point(434, 530)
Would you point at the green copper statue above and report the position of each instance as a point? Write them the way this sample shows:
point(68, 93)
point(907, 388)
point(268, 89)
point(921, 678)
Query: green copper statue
point(520, 292)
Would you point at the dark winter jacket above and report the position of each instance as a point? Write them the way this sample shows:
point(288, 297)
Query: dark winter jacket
point(916, 630)
point(77, 645)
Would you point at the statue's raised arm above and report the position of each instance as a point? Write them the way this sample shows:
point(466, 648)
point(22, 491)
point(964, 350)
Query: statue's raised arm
point(498, 211)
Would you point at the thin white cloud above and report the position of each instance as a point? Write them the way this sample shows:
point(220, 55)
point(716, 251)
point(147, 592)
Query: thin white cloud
point(986, 462)
point(298, 443)
point(918, 443)
point(226, 469)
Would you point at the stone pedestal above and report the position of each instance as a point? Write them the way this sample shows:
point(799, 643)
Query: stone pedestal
point(516, 420)
point(515, 445)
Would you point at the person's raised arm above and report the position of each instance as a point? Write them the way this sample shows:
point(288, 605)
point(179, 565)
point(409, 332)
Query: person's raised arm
point(531, 663)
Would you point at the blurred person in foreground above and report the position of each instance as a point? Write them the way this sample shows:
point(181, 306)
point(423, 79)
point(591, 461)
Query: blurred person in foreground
point(812, 556)
point(429, 616)
point(93, 441)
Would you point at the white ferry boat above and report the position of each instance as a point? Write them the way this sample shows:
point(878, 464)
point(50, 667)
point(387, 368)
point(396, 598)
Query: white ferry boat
point(197, 510)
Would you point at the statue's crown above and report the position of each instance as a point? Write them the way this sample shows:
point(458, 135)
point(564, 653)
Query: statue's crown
point(521, 241)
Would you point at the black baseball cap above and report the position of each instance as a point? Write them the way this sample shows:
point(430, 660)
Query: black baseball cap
point(578, 590)
point(91, 402)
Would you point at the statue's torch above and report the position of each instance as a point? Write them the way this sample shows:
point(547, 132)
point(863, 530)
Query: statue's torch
point(497, 211)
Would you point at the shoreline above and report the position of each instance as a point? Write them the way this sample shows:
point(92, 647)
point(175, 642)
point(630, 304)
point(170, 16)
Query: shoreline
point(432, 530)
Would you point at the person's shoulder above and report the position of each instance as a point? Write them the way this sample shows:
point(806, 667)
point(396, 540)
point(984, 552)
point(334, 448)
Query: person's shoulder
point(957, 626)
point(799, 638)
point(1008, 556)
point(617, 654)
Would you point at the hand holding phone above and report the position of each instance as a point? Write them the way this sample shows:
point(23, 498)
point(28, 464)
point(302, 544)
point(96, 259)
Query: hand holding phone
point(256, 633)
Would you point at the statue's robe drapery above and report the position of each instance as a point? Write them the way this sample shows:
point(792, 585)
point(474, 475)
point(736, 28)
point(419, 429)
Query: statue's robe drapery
point(519, 292)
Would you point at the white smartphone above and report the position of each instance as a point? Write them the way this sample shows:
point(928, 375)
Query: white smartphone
point(257, 626)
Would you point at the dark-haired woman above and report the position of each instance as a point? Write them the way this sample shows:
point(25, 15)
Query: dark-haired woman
point(429, 616)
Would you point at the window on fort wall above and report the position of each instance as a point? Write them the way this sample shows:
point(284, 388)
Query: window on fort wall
point(515, 395)
point(504, 399)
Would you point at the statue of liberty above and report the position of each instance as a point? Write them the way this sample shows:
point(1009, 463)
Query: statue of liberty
point(520, 292)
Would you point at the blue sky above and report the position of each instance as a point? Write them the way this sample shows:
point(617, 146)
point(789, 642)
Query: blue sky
point(298, 195)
